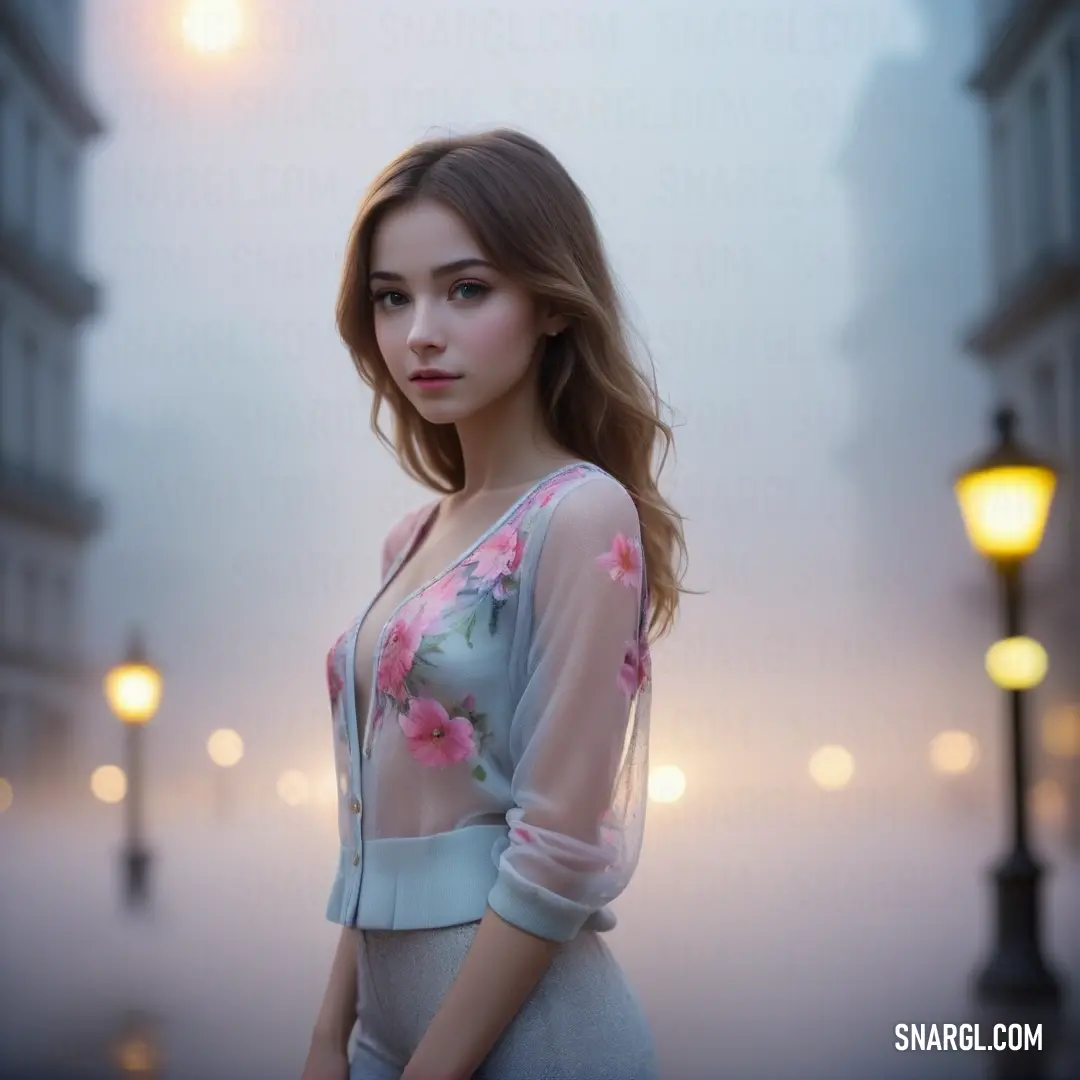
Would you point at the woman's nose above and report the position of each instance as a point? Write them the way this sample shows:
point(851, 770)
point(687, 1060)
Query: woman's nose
point(425, 332)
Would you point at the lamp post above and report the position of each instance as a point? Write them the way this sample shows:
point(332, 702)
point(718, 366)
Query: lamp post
point(133, 691)
point(1005, 500)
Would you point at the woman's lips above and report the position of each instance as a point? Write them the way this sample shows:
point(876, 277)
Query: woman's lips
point(434, 382)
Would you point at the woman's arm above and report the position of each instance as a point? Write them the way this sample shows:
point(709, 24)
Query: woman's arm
point(578, 781)
point(337, 1014)
point(500, 970)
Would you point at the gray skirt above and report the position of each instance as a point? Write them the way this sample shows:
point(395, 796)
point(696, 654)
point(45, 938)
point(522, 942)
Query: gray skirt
point(581, 1021)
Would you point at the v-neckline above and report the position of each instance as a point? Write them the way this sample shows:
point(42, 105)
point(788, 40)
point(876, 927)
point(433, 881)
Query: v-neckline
point(408, 550)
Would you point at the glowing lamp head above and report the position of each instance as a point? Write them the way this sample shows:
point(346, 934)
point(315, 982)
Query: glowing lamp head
point(1005, 497)
point(133, 688)
point(212, 27)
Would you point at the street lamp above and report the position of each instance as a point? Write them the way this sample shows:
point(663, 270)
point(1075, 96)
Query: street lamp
point(1005, 500)
point(133, 691)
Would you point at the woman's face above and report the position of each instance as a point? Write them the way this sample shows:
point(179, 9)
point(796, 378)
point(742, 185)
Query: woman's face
point(441, 309)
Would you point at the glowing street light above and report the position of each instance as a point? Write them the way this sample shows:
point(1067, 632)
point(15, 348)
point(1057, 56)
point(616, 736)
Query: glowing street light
point(212, 27)
point(133, 691)
point(1005, 499)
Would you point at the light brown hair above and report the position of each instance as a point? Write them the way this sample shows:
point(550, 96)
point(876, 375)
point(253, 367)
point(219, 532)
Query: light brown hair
point(534, 223)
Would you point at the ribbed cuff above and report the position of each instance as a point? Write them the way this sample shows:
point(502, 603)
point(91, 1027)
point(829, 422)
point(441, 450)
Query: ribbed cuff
point(534, 909)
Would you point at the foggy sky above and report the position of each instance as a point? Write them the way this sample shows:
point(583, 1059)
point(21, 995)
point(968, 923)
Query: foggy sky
point(230, 435)
point(792, 197)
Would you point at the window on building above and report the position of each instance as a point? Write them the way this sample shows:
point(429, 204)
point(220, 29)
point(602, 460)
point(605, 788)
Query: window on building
point(32, 178)
point(1040, 175)
point(1072, 113)
point(61, 635)
point(4, 388)
point(3, 153)
point(995, 13)
point(1045, 400)
point(62, 436)
point(31, 607)
point(1074, 407)
point(30, 400)
point(7, 763)
point(4, 623)
point(1002, 199)
point(65, 209)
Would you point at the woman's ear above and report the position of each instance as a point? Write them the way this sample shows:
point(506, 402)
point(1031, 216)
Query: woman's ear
point(554, 325)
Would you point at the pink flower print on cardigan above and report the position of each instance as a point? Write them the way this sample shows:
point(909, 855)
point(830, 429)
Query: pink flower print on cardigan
point(397, 656)
point(432, 604)
point(635, 669)
point(497, 560)
point(623, 561)
point(550, 489)
point(644, 662)
point(334, 681)
point(628, 671)
point(335, 663)
point(435, 738)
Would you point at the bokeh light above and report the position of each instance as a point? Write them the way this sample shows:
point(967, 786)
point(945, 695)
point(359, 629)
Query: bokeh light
point(225, 747)
point(137, 1056)
point(326, 789)
point(1017, 663)
point(832, 767)
point(1061, 731)
point(667, 784)
point(109, 783)
point(953, 752)
point(1048, 803)
point(293, 787)
point(212, 27)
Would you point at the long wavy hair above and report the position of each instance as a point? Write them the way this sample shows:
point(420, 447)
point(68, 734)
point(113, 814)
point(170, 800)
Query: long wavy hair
point(534, 223)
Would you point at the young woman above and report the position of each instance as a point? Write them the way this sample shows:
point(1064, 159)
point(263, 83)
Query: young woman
point(491, 704)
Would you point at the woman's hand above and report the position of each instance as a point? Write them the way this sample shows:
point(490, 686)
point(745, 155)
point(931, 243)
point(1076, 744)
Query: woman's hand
point(326, 1060)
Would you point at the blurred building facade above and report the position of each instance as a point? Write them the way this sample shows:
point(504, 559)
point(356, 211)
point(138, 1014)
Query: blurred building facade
point(46, 518)
point(909, 160)
point(1027, 78)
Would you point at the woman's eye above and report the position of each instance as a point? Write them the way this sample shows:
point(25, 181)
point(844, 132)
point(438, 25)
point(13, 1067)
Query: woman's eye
point(477, 288)
point(389, 298)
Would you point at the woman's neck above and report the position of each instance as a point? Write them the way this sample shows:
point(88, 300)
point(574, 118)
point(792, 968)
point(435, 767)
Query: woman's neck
point(506, 445)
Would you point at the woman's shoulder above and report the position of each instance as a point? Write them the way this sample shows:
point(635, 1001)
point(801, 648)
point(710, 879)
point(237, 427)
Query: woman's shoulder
point(583, 500)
